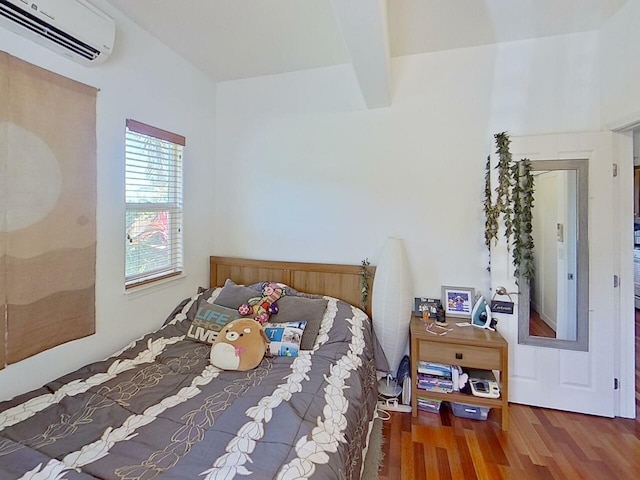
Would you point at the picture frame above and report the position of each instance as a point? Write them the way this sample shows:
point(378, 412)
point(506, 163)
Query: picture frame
point(458, 301)
point(424, 304)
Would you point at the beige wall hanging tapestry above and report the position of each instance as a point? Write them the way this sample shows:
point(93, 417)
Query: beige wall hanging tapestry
point(47, 209)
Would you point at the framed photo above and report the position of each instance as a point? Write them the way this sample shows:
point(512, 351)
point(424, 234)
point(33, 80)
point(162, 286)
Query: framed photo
point(458, 301)
point(430, 305)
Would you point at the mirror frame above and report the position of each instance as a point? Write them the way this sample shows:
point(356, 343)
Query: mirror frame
point(581, 166)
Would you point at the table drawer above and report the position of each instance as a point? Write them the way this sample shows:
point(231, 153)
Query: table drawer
point(463, 355)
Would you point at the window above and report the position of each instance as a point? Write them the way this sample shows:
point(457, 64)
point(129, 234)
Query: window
point(153, 191)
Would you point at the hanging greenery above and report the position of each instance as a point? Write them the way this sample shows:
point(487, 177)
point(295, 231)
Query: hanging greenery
point(491, 212)
point(522, 219)
point(514, 202)
point(365, 273)
point(505, 182)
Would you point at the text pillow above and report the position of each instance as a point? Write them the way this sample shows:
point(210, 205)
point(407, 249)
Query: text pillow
point(209, 320)
point(284, 338)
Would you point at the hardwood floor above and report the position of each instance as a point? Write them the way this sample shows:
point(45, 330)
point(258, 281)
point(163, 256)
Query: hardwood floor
point(538, 327)
point(540, 444)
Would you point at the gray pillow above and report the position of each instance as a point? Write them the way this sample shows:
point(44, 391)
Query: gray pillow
point(233, 295)
point(287, 290)
point(296, 308)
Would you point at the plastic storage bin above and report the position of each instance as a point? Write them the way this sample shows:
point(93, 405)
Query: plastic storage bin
point(470, 411)
point(428, 405)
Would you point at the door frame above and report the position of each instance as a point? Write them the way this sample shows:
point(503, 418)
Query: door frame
point(624, 305)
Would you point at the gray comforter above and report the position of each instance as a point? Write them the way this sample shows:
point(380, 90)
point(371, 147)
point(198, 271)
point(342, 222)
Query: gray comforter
point(158, 409)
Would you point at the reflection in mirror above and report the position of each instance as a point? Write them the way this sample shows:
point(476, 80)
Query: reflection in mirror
point(553, 309)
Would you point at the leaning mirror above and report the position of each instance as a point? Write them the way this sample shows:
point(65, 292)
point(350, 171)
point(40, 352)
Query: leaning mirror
point(554, 303)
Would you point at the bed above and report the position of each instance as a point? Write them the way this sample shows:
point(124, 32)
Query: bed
point(159, 409)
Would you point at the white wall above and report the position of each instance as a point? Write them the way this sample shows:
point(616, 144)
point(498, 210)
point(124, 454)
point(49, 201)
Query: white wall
point(620, 67)
point(145, 81)
point(306, 173)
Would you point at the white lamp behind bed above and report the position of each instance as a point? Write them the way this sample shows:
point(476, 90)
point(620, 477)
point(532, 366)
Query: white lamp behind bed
point(391, 307)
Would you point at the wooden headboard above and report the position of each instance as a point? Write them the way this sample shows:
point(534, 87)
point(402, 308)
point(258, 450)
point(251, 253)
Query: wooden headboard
point(339, 281)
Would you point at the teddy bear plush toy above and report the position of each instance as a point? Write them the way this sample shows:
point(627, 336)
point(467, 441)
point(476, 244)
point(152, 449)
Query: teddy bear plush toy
point(240, 345)
point(259, 308)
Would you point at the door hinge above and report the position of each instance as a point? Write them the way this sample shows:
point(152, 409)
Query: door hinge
point(616, 281)
point(615, 169)
point(616, 384)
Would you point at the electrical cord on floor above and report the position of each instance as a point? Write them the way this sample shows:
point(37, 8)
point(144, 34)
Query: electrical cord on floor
point(382, 414)
point(387, 405)
point(389, 398)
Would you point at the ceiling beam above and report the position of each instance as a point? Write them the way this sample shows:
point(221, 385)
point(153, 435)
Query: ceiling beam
point(365, 31)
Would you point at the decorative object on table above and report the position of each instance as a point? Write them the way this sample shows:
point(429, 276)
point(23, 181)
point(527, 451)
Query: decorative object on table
point(428, 308)
point(513, 205)
point(391, 307)
point(457, 301)
point(441, 321)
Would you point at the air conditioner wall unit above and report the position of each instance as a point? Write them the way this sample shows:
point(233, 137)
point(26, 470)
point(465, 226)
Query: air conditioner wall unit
point(73, 28)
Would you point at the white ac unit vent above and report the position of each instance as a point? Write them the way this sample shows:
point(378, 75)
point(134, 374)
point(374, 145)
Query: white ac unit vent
point(73, 28)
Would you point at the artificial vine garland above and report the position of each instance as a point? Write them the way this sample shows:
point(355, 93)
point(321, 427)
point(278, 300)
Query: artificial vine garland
point(514, 202)
point(365, 273)
point(491, 213)
point(522, 219)
point(506, 181)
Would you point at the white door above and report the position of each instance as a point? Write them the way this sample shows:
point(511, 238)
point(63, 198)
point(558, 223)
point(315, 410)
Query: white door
point(567, 379)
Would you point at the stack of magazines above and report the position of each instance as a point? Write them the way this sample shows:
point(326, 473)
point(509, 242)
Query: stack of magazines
point(435, 377)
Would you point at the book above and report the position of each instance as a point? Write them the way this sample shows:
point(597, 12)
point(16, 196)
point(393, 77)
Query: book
point(434, 384)
point(426, 377)
point(435, 389)
point(431, 368)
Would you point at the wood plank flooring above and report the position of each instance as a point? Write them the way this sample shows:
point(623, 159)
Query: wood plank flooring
point(538, 327)
point(540, 444)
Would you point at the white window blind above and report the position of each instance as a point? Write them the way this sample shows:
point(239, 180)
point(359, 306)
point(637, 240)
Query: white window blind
point(153, 191)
